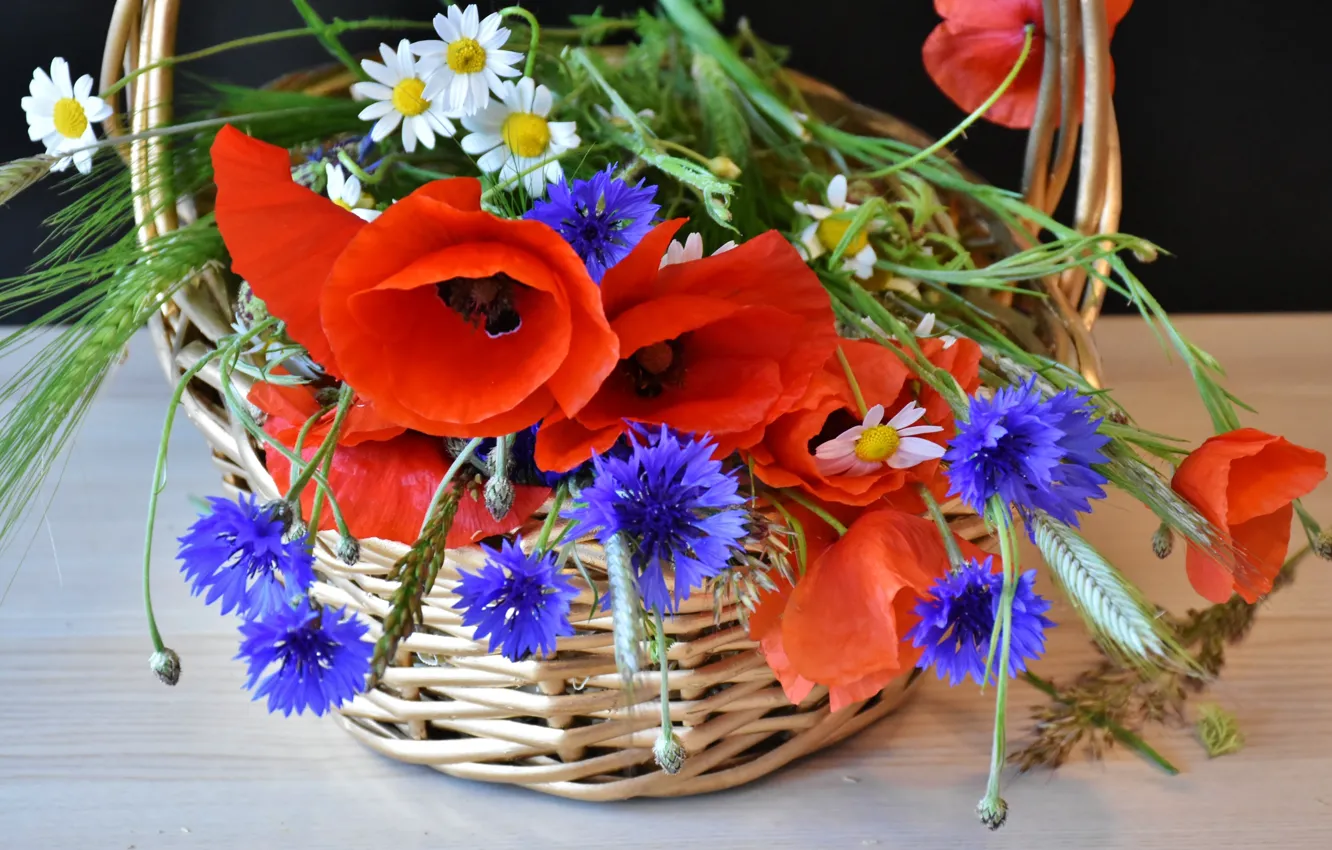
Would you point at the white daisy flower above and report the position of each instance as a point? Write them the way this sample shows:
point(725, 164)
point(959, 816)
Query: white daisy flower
point(515, 137)
point(691, 250)
point(830, 224)
point(867, 447)
point(467, 62)
point(399, 94)
point(926, 328)
point(346, 192)
point(61, 115)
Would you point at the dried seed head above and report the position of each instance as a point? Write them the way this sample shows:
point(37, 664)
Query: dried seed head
point(166, 664)
point(669, 753)
point(1163, 541)
point(992, 813)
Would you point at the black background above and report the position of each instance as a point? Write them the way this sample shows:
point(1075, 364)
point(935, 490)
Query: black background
point(1221, 103)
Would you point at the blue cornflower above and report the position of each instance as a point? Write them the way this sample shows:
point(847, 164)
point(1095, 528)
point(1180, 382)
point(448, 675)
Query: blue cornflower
point(522, 463)
point(521, 602)
point(602, 218)
point(1032, 452)
point(236, 553)
point(322, 658)
point(958, 620)
point(669, 497)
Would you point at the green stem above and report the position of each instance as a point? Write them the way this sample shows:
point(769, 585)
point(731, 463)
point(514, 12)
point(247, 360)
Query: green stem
point(534, 42)
point(851, 379)
point(795, 496)
point(802, 546)
point(667, 144)
point(360, 173)
point(462, 458)
point(1003, 523)
point(191, 126)
point(262, 38)
point(560, 493)
point(950, 542)
point(512, 181)
point(308, 470)
point(970, 119)
point(666, 731)
point(328, 37)
point(159, 470)
point(1121, 734)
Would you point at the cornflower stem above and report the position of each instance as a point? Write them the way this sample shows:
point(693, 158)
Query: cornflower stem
point(159, 469)
point(328, 37)
point(499, 187)
point(530, 65)
point(961, 128)
point(360, 173)
point(668, 145)
point(795, 496)
point(561, 492)
point(851, 379)
point(335, 28)
point(950, 542)
point(438, 498)
point(665, 674)
point(1002, 520)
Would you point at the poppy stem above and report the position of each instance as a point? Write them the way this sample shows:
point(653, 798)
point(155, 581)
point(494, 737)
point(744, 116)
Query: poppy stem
point(819, 512)
point(532, 23)
point(435, 500)
point(961, 128)
point(851, 379)
point(297, 485)
point(325, 458)
point(561, 492)
point(950, 542)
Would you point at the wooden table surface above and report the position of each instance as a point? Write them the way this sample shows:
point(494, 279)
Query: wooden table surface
point(95, 753)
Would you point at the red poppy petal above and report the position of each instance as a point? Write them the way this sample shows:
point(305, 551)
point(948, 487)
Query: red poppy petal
point(473, 521)
point(282, 237)
point(796, 687)
point(1115, 10)
point(993, 14)
point(563, 444)
point(1264, 541)
point(969, 65)
point(666, 318)
point(293, 405)
point(461, 193)
point(632, 280)
point(1278, 475)
point(1210, 579)
point(845, 696)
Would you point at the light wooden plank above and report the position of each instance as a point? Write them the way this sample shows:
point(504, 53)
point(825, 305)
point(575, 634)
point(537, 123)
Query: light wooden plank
point(95, 753)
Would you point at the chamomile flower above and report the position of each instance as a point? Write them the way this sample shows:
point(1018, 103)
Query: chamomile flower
point(691, 250)
point(61, 115)
point(514, 137)
point(399, 94)
point(346, 192)
point(467, 61)
point(865, 448)
point(830, 224)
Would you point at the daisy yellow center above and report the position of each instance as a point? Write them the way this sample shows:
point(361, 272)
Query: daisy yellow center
point(527, 135)
point(69, 118)
point(877, 443)
point(407, 97)
point(831, 231)
point(346, 206)
point(466, 56)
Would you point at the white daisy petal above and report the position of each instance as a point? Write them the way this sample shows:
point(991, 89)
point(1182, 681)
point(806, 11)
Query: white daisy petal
point(96, 109)
point(83, 87)
point(60, 76)
point(39, 127)
point(376, 110)
point(479, 143)
point(385, 126)
point(500, 61)
point(42, 88)
point(837, 192)
point(914, 450)
point(446, 27)
point(874, 416)
point(919, 429)
point(83, 161)
point(373, 91)
point(494, 160)
point(367, 215)
point(908, 415)
point(470, 22)
point(542, 101)
point(926, 326)
point(835, 448)
point(379, 73)
point(526, 92)
point(429, 47)
point(440, 123)
point(424, 132)
point(809, 238)
point(829, 467)
point(490, 33)
point(563, 134)
point(409, 135)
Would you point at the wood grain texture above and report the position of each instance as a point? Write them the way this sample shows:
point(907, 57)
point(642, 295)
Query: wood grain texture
point(95, 753)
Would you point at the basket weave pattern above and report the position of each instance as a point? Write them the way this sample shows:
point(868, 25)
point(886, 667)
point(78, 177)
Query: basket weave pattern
point(563, 724)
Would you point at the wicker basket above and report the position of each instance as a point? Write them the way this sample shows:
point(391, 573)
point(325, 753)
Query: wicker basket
point(562, 724)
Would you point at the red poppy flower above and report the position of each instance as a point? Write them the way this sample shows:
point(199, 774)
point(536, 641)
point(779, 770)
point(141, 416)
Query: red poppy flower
point(447, 319)
point(1244, 483)
point(721, 345)
point(977, 45)
point(960, 357)
point(843, 623)
point(382, 477)
point(785, 456)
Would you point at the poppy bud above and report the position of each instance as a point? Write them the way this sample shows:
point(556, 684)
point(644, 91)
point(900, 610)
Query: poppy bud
point(993, 812)
point(1322, 546)
point(250, 308)
point(1163, 541)
point(296, 530)
point(499, 496)
point(166, 664)
point(669, 753)
point(348, 551)
point(326, 396)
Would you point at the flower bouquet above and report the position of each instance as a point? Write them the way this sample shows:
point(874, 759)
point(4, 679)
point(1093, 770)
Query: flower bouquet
point(613, 411)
